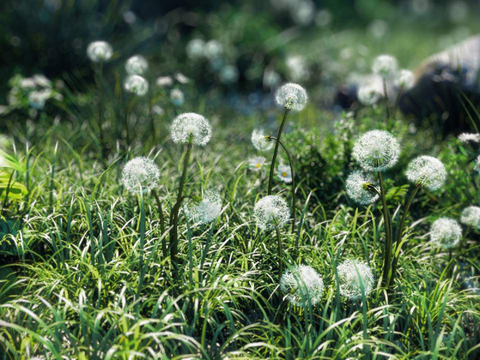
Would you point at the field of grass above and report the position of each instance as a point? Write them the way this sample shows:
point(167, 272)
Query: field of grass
point(91, 270)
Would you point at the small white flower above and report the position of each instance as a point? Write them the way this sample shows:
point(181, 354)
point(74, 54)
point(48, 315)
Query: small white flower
point(467, 137)
point(291, 96)
point(177, 97)
point(256, 163)
point(191, 124)
point(164, 81)
point(446, 233)
point(302, 285)
point(270, 212)
point(385, 66)
point(37, 99)
point(260, 140)
point(471, 216)
point(359, 188)
point(284, 173)
point(140, 175)
point(376, 150)
point(353, 275)
point(427, 171)
point(368, 95)
point(136, 84)
point(136, 65)
point(206, 210)
point(196, 49)
point(405, 79)
point(99, 51)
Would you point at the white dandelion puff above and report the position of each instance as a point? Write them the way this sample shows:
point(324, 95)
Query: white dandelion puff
point(471, 216)
point(37, 99)
point(213, 49)
point(469, 137)
point(405, 79)
point(140, 175)
point(42, 81)
point(376, 150)
point(136, 65)
point(368, 95)
point(191, 124)
point(206, 210)
point(353, 275)
point(385, 66)
point(177, 97)
point(270, 212)
point(182, 79)
point(360, 188)
point(427, 171)
point(99, 51)
point(261, 141)
point(291, 96)
point(446, 233)
point(256, 163)
point(164, 81)
point(284, 173)
point(195, 49)
point(302, 285)
point(136, 84)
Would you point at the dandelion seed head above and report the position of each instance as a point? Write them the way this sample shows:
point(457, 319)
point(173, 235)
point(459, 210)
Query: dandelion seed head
point(206, 210)
point(358, 187)
point(376, 150)
point(471, 216)
point(446, 232)
point(136, 84)
point(164, 81)
point(99, 51)
point(368, 95)
point(469, 137)
point(195, 49)
point(427, 171)
point(405, 79)
point(302, 286)
point(271, 211)
point(260, 141)
point(352, 275)
point(213, 49)
point(140, 174)
point(38, 98)
point(177, 97)
point(42, 81)
point(136, 65)
point(385, 66)
point(291, 96)
point(256, 163)
point(191, 124)
point(284, 173)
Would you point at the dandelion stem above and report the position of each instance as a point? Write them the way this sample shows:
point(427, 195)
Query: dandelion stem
point(290, 162)
point(275, 153)
point(386, 102)
point(388, 231)
point(99, 80)
point(176, 208)
point(280, 254)
point(162, 221)
point(400, 232)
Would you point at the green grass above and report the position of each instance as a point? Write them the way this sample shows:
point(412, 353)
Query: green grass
point(69, 285)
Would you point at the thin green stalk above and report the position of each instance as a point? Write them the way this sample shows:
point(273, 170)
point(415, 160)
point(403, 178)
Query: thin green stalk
point(150, 113)
point(280, 254)
point(290, 162)
point(275, 153)
point(386, 101)
point(388, 231)
point(162, 221)
point(99, 79)
point(175, 210)
point(142, 247)
point(400, 232)
point(52, 175)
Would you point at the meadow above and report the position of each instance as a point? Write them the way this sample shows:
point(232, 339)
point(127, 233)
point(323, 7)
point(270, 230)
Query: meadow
point(168, 210)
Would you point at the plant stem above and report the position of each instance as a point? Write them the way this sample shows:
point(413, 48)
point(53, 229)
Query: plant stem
point(162, 221)
point(152, 122)
point(175, 210)
point(142, 246)
point(400, 231)
point(280, 255)
point(99, 79)
point(275, 153)
point(127, 108)
point(290, 162)
point(386, 102)
point(388, 231)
